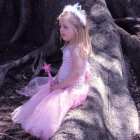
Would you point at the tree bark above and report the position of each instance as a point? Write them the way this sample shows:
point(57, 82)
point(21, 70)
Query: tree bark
point(109, 112)
point(131, 46)
point(24, 20)
point(126, 14)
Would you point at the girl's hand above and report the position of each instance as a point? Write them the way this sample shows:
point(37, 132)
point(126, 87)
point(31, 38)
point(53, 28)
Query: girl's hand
point(55, 87)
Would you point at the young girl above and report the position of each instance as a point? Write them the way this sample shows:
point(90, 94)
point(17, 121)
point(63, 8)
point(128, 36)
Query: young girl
point(43, 114)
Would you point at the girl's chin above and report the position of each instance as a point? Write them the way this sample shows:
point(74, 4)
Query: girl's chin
point(64, 39)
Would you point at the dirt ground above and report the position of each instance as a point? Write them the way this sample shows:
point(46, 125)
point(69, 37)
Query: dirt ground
point(9, 99)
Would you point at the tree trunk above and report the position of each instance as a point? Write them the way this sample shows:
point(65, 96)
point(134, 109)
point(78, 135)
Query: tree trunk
point(109, 112)
point(131, 46)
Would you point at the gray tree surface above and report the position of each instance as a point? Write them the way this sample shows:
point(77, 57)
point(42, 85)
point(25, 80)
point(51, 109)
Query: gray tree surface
point(109, 113)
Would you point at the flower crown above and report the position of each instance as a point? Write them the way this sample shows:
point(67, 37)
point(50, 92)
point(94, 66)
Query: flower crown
point(76, 9)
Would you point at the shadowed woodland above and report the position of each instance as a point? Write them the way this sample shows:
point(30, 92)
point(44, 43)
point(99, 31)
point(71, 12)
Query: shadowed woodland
point(30, 36)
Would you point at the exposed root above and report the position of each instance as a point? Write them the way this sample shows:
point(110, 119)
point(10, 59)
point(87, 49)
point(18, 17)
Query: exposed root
point(134, 36)
point(7, 136)
point(6, 67)
point(131, 46)
point(34, 63)
point(25, 20)
point(40, 64)
point(127, 20)
point(39, 55)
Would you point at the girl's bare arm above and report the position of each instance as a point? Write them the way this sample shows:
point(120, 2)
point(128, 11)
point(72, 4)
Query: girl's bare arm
point(76, 69)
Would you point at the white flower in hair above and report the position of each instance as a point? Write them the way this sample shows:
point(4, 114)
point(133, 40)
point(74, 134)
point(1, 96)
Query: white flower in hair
point(76, 9)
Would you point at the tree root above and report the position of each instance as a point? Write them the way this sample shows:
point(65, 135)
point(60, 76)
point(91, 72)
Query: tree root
point(138, 37)
point(25, 20)
point(127, 20)
point(10, 137)
point(12, 64)
point(39, 55)
point(131, 24)
point(131, 46)
point(39, 59)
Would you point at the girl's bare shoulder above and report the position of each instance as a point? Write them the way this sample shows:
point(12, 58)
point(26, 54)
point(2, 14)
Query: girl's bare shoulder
point(76, 51)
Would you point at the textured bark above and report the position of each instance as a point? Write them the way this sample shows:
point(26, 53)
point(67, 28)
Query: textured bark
point(126, 14)
point(25, 20)
point(109, 112)
point(131, 46)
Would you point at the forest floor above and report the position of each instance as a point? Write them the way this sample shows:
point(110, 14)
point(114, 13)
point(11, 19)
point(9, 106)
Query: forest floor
point(9, 99)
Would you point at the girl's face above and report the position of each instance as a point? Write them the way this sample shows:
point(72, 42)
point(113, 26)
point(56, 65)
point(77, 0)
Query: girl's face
point(67, 30)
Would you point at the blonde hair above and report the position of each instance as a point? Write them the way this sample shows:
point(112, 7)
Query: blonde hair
point(82, 36)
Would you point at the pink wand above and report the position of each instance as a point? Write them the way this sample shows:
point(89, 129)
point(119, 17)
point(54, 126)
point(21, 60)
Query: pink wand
point(47, 70)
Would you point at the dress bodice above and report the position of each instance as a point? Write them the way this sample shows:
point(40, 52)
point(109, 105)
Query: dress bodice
point(66, 68)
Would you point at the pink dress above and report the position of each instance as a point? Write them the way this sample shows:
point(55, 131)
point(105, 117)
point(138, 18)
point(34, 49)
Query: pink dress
point(43, 113)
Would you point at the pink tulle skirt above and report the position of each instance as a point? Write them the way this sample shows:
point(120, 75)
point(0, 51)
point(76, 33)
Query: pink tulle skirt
point(43, 113)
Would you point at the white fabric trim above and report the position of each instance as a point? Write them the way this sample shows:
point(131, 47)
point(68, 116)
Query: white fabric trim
point(74, 9)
